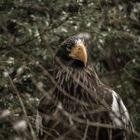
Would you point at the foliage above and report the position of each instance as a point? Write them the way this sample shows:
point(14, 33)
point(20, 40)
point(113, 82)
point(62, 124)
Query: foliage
point(31, 31)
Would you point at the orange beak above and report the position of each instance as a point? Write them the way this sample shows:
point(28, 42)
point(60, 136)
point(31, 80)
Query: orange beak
point(79, 52)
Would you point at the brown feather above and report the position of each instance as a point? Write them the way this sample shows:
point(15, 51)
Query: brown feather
point(79, 97)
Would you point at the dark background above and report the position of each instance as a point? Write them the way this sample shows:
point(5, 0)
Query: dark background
point(30, 33)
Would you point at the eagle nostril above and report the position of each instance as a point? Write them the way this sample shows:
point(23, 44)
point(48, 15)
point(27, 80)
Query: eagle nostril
point(79, 48)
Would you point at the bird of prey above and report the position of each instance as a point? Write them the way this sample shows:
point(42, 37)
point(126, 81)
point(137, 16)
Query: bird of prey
point(80, 106)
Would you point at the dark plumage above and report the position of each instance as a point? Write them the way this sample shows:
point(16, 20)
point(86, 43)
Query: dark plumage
point(79, 98)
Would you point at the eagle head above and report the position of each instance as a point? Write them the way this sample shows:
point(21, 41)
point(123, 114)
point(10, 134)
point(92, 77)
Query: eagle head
point(73, 52)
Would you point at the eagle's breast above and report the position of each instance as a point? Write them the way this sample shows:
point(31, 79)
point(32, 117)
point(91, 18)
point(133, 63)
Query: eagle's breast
point(73, 87)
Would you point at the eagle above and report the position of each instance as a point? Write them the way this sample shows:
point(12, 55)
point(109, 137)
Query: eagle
point(80, 106)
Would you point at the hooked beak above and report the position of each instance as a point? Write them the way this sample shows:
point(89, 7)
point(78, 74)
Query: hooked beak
point(79, 52)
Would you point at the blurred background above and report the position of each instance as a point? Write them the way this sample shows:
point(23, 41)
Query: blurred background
point(30, 33)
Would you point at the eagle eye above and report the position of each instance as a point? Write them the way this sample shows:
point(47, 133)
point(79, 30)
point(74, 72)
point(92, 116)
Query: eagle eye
point(69, 47)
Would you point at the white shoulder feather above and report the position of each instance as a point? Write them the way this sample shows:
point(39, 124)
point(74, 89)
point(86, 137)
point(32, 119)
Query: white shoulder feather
point(119, 114)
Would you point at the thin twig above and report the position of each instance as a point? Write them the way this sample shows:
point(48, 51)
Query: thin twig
point(23, 108)
point(85, 134)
